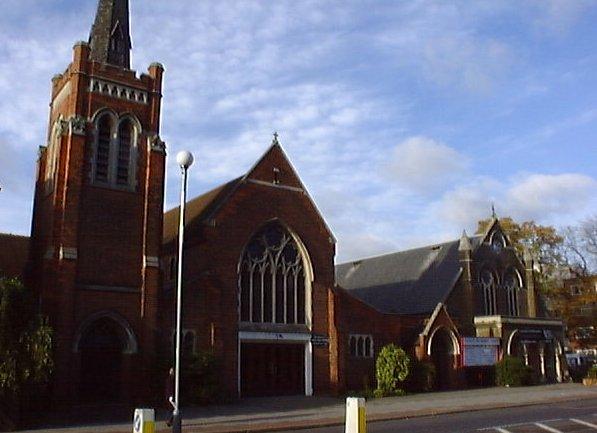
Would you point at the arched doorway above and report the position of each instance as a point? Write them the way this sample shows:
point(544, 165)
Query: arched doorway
point(442, 349)
point(102, 343)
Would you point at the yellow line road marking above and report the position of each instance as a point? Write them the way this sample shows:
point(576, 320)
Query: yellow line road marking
point(580, 421)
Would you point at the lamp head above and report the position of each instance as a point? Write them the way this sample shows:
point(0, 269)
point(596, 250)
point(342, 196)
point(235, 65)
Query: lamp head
point(184, 159)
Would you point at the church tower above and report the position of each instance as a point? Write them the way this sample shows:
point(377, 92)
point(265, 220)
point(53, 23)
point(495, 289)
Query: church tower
point(98, 210)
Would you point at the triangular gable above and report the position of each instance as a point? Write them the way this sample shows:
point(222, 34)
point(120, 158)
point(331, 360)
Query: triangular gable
point(273, 169)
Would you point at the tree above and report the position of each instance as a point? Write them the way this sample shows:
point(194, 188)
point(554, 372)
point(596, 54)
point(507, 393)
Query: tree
point(580, 247)
point(543, 242)
point(391, 368)
point(25, 342)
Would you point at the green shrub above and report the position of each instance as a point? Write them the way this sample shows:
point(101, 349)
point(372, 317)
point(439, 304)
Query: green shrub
point(200, 383)
point(511, 371)
point(592, 373)
point(391, 368)
point(422, 376)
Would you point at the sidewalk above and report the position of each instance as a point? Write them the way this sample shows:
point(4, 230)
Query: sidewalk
point(284, 413)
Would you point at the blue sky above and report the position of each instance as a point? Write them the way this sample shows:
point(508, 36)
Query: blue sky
point(406, 120)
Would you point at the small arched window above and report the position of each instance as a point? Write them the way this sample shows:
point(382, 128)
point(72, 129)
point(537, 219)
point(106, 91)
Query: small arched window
point(102, 151)
point(272, 279)
point(367, 347)
point(125, 142)
point(512, 284)
point(488, 285)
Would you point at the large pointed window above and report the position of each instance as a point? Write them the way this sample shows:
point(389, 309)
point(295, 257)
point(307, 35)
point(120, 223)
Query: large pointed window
point(272, 278)
point(488, 286)
point(512, 284)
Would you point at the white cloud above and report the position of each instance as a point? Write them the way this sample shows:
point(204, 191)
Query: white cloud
point(548, 199)
point(426, 165)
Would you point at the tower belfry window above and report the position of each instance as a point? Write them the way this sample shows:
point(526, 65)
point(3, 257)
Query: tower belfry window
point(115, 152)
point(102, 156)
point(125, 135)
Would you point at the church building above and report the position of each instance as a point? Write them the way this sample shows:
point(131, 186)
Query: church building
point(261, 289)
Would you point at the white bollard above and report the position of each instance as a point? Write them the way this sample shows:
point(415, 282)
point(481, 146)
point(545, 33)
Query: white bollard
point(356, 421)
point(144, 421)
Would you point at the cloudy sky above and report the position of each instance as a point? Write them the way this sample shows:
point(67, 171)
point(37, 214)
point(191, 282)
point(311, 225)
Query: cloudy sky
point(405, 119)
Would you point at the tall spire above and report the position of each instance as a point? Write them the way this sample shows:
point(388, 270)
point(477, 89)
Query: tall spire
point(110, 38)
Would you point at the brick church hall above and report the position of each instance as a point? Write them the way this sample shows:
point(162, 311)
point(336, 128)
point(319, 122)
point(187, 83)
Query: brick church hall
point(262, 290)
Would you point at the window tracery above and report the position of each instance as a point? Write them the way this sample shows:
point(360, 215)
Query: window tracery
point(512, 284)
point(488, 286)
point(272, 279)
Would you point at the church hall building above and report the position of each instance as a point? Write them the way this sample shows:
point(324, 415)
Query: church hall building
point(261, 289)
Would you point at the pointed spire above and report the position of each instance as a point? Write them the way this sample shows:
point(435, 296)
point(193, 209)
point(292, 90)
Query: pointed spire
point(110, 38)
point(465, 242)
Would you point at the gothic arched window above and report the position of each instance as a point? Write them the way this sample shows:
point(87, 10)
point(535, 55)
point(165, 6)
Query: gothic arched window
point(512, 284)
point(102, 150)
point(125, 142)
point(488, 285)
point(272, 278)
point(115, 151)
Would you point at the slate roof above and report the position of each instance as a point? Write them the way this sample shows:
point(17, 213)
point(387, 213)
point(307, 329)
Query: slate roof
point(407, 282)
point(14, 252)
point(111, 22)
point(198, 208)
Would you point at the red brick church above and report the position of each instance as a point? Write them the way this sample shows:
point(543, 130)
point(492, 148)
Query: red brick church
point(261, 287)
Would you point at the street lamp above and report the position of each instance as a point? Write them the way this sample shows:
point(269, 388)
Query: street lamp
point(184, 160)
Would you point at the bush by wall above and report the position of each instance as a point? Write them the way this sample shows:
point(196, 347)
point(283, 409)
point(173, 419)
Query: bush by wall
point(511, 371)
point(391, 369)
point(422, 376)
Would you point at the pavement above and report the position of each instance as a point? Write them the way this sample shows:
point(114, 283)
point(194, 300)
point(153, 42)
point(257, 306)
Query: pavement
point(294, 413)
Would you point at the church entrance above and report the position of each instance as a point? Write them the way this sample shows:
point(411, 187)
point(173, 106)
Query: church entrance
point(272, 369)
point(101, 348)
point(442, 354)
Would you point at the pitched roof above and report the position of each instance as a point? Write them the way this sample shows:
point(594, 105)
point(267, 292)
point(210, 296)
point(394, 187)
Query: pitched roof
point(406, 282)
point(198, 208)
point(14, 252)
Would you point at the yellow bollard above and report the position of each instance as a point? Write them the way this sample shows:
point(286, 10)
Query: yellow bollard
point(356, 418)
point(144, 421)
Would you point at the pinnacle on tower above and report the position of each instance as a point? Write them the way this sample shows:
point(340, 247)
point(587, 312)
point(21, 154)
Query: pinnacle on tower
point(465, 243)
point(110, 38)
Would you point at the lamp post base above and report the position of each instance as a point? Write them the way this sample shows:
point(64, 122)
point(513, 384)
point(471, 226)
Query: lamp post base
point(177, 423)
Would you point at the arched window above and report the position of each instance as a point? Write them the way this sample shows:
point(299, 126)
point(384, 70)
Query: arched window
point(125, 142)
point(488, 285)
point(102, 150)
point(272, 278)
point(353, 345)
point(115, 151)
point(368, 347)
point(512, 284)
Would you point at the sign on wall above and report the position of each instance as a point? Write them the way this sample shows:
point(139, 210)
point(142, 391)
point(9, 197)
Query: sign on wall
point(479, 351)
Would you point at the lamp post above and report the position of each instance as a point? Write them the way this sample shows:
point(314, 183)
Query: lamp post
point(184, 160)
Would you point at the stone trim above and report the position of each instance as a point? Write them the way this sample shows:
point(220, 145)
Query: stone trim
point(117, 289)
point(68, 253)
point(155, 143)
point(151, 262)
point(118, 91)
point(77, 125)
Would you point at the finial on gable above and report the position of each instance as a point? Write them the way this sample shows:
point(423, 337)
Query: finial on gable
point(493, 214)
point(275, 139)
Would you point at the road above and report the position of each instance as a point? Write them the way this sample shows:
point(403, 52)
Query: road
point(578, 417)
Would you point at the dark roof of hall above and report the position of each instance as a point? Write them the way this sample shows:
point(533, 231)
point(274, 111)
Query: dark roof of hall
point(407, 282)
